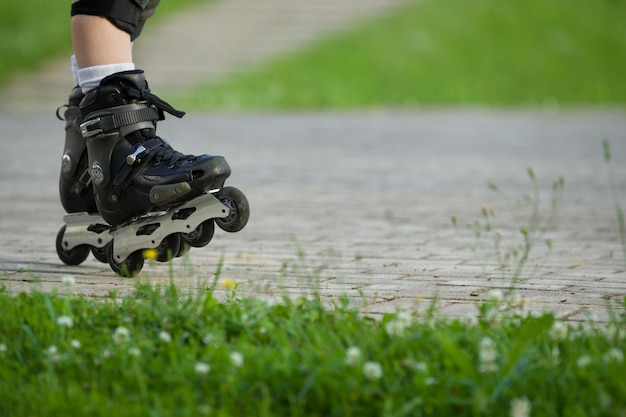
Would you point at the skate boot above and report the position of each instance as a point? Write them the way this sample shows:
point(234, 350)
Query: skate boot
point(134, 171)
point(75, 187)
point(152, 196)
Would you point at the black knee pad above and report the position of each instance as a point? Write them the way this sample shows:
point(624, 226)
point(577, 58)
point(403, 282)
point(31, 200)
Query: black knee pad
point(127, 15)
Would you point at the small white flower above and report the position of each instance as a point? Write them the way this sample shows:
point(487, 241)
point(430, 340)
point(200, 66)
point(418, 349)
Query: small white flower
point(121, 335)
point(53, 353)
point(488, 355)
point(202, 368)
point(495, 296)
point(75, 344)
point(430, 380)
point(236, 359)
point(488, 352)
point(559, 330)
point(165, 337)
point(395, 328)
point(65, 321)
point(3, 347)
point(520, 407)
point(420, 367)
point(583, 361)
point(404, 317)
point(68, 280)
point(372, 370)
point(353, 356)
point(614, 355)
point(107, 354)
point(134, 351)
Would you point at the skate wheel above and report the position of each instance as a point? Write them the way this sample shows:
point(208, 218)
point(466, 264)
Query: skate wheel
point(201, 235)
point(169, 248)
point(237, 202)
point(129, 267)
point(101, 254)
point(74, 256)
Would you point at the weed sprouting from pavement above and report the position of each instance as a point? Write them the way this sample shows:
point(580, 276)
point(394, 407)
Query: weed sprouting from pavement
point(619, 212)
point(511, 246)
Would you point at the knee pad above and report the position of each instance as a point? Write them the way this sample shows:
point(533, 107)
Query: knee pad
point(127, 15)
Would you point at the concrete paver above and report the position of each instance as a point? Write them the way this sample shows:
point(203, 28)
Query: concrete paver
point(359, 205)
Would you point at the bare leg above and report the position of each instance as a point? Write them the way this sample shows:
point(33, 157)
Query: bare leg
point(98, 42)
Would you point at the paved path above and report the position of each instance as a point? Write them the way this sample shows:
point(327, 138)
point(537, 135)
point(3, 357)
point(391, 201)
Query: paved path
point(359, 204)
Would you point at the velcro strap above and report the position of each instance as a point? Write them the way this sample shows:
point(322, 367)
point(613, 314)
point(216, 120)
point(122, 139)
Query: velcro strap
point(111, 122)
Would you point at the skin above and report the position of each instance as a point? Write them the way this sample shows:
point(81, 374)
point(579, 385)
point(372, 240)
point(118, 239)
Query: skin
point(97, 41)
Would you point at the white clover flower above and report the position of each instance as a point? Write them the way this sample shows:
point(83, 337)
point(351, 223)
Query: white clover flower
point(583, 361)
point(134, 351)
point(488, 352)
point(520, 407)
point(202, 368)
point(614, 355)
point(165, 337)
point(75, 344)
point(68, 280)
point(495, 296)
point(353, 356)
point(372, 370)
point(395, 328)
point(488, 355)
point(236, 359)
point(121, 335)
point(559, 330)
point(3, 347)
point(65, 321)
point(53, 353)
point(404, 317)
point(430, 380)
point(420, 366)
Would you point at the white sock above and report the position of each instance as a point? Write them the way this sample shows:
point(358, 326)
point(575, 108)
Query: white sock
point(90, 77)
point(74, 69)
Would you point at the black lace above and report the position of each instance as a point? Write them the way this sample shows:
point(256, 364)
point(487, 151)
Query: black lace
point(164, 152)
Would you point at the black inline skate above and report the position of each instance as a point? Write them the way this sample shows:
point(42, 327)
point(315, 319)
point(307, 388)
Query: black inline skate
point(148, 195)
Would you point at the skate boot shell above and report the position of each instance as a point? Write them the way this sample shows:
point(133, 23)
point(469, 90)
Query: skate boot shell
point(148, 195)
point(75, 189)
point(134, 171)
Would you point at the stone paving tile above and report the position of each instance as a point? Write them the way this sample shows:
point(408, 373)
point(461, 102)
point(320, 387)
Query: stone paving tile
point(359, 205)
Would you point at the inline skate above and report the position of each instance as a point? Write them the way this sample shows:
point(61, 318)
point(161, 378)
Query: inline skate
point(146, 194)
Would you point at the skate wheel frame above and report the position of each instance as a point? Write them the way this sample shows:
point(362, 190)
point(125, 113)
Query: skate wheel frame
point(85, 229)
point(149, 232)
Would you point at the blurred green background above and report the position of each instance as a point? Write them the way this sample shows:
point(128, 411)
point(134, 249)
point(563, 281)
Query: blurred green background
point(504, 53)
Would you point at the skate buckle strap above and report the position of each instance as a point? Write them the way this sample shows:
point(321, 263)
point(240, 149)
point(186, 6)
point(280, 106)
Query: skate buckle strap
point(111, 122)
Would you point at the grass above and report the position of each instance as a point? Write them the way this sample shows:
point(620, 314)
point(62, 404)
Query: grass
point(31, 32)
point(426, 53)
point(447, 52)
point(160, 353)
